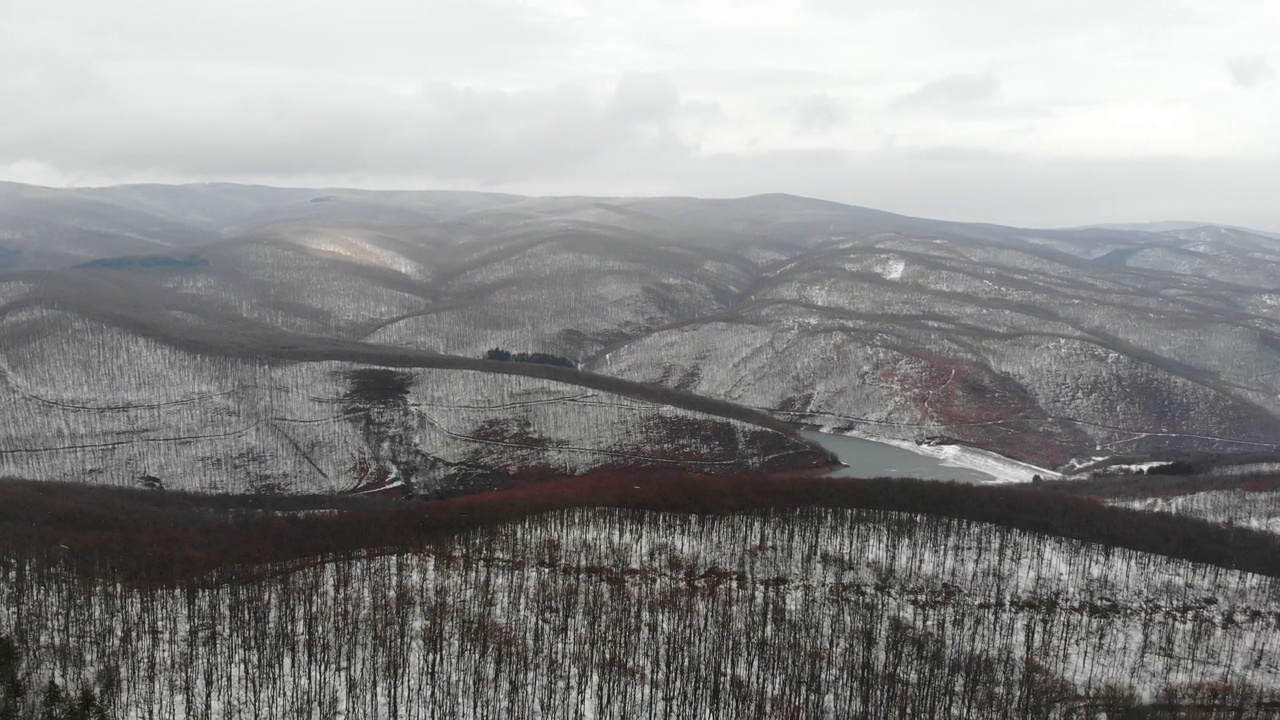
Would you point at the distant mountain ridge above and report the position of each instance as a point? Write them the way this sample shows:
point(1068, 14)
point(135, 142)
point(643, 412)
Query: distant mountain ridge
point(1052, 346)
point(1167, 226)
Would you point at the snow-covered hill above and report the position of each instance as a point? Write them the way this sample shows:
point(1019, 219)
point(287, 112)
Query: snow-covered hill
point(88, 401)
point(1050, 346)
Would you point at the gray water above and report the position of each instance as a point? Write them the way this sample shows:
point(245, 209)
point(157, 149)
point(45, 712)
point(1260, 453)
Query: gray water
point(867, 458)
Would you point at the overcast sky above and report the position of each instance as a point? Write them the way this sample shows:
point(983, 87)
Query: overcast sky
point(1015, 111)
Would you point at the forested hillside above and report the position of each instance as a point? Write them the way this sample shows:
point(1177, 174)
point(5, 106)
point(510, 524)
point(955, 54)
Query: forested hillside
point(1056, 347)
point(90, 402)
point(625, 614)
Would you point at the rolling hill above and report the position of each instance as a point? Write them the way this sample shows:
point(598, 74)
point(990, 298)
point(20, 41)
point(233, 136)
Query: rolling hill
point(172, 313)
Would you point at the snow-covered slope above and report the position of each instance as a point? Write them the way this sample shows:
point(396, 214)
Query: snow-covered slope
point(87, 401)
point(968, 343)
point(1256, 510)
point(1045, 345)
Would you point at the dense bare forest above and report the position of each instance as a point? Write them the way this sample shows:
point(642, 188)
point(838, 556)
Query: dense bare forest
point(600, 613)
point(166, 605)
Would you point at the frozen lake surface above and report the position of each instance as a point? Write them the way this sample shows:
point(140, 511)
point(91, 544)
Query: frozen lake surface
point(868, 458)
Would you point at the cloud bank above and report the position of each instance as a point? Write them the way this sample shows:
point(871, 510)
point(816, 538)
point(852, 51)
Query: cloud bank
point(1000, 111)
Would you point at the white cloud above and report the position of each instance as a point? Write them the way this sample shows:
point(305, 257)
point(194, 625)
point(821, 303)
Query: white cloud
point(1250, 70)
point(952, 90)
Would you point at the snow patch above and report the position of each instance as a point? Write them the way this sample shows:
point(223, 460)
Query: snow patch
point(1003, 469)
point(892, 269)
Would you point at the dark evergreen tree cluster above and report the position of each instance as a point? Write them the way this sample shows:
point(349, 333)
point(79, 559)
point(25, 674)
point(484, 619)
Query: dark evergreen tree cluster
point(1177, 467)
point(502, 354)
point(148, 262)
point(19, 702)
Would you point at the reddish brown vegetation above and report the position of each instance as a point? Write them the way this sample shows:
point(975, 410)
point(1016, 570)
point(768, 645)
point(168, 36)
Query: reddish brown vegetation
point(977, 407)
point(369, 476)
point(151, 536)
point(1261, 485)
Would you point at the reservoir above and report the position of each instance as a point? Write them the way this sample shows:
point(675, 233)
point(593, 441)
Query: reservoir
point(867, 458)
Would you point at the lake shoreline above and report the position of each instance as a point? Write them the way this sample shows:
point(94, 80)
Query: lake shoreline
point(997, 468)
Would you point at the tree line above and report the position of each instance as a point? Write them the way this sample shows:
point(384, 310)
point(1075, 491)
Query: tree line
point(540, 358)
point(168, 538)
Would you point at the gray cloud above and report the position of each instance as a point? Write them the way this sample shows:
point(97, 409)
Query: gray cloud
point(442, 130)
point(818, 113)
point(1250, 70)
point(710, 98)
point(644, 97)
point(952, 90)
